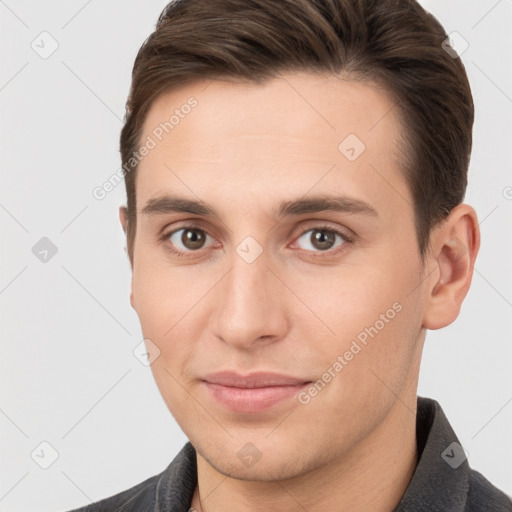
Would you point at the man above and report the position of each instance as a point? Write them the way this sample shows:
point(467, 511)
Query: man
point(295, 172)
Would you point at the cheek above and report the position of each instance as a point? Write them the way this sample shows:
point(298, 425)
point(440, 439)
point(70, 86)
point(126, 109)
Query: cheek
point(152, 297)
point(365, 365)
point(342, 302)
point(160, 292)
point(168, 301)
point(371, 312)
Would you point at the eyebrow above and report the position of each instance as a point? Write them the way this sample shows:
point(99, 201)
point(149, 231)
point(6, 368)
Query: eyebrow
point(168, 204)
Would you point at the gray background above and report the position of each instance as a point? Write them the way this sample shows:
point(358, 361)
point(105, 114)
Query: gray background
point(68, 374)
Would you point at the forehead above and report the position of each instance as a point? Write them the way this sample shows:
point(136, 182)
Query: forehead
point(290, 134)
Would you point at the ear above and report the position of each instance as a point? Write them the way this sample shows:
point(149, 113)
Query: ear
point(454, 248)
point(123, 218)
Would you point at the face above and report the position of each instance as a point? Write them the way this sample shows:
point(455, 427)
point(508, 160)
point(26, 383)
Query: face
point(292, 251)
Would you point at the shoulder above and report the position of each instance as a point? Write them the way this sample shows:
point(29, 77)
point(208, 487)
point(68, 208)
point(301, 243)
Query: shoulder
point(140, 498)
point(172, 489)
point(482, 495)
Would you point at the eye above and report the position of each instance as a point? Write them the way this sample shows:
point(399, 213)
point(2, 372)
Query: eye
point(322, 239)
point(185, 240)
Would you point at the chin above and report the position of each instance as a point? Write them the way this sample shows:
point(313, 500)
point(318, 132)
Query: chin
point(261, 461)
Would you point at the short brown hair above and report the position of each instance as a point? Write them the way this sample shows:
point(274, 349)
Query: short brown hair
point(392, 42)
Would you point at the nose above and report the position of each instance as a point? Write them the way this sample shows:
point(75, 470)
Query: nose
point(249, 305)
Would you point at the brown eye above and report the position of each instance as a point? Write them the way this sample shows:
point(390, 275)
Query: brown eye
point(321, 239)
point(187, 239)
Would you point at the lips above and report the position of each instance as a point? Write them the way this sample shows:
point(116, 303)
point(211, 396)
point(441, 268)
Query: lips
point(252, 393)
point(253, 380)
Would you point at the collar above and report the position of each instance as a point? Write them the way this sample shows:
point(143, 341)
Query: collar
point(441, 478)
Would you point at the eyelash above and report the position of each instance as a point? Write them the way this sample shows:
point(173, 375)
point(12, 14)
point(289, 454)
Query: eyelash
point(315, 254)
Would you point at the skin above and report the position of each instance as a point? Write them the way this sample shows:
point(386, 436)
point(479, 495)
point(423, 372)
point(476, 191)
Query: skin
point(243, 149)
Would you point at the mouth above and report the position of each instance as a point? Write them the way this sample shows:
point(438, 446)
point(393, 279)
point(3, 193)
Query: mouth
point(252, 393)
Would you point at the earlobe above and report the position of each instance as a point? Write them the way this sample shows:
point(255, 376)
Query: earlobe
point(455, 248)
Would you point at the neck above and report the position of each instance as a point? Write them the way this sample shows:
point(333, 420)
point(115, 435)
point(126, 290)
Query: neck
point(372, 476)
